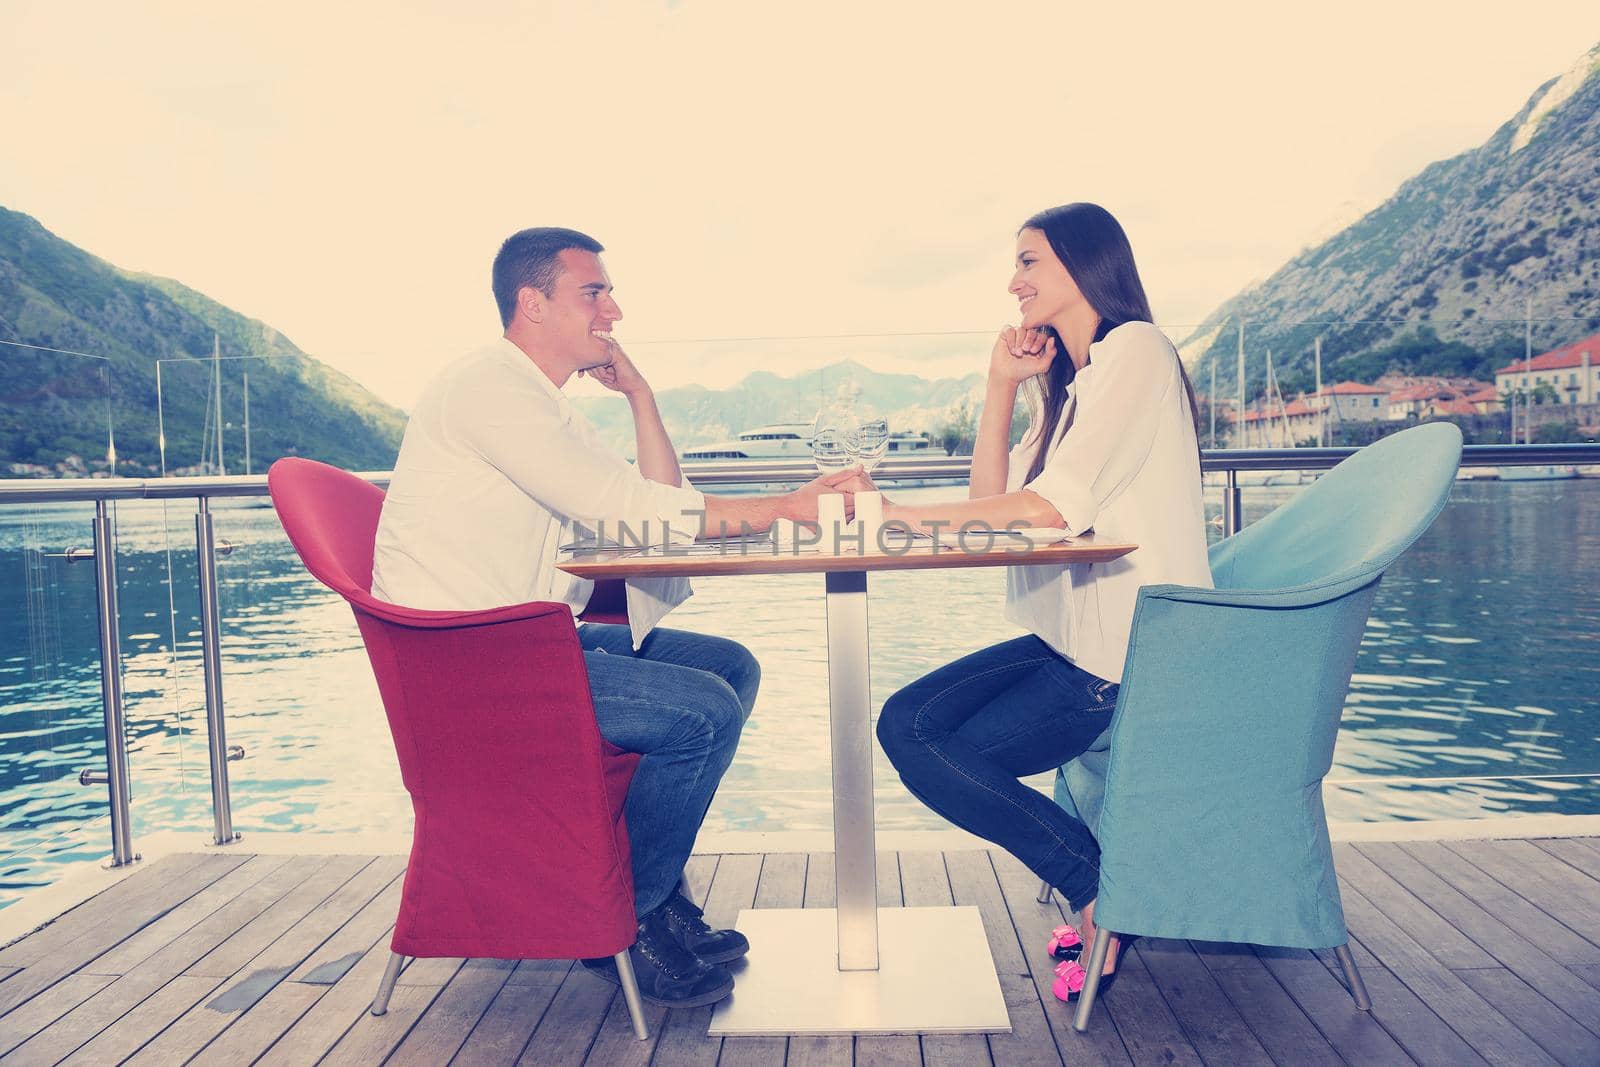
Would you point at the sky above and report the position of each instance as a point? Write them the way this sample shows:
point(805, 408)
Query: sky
point(345, 172)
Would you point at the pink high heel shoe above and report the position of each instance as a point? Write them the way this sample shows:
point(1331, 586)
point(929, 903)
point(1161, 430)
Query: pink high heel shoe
point(1070, 975)
point(1065, 944)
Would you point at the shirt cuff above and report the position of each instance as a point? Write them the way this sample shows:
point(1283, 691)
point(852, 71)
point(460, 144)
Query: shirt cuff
point(681, 513)
point(1073, 501)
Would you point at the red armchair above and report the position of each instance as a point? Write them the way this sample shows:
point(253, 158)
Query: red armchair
point(519, 850)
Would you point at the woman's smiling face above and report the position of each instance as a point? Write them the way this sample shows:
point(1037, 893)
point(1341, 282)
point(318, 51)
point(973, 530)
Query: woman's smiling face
point(1042, 286)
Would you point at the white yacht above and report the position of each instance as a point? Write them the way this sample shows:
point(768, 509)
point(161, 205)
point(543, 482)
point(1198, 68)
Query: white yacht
point(790, 440)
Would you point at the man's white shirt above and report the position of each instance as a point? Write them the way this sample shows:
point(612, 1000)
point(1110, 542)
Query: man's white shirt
point(496, 471)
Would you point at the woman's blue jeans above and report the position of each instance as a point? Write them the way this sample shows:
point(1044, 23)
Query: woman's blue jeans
point(962, 736)
point(680, 701)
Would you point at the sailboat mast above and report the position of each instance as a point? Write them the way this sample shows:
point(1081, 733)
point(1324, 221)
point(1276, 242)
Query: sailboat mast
point(1527, 380)
point(1272, 391)
point(1322, 412)
point(216, 380)
point(1239, 419)
point(1211, 403)
point(247, 468)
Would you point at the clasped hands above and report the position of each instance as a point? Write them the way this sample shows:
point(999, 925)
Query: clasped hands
point(801, 504)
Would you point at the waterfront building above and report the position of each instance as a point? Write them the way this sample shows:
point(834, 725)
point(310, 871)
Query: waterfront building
point(1572, 372)
point(1415, 398)
point(1353, 402)
point(1307, 417)
point(1485, 401)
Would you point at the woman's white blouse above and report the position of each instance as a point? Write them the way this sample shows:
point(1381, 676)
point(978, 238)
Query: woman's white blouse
point(1124, 464)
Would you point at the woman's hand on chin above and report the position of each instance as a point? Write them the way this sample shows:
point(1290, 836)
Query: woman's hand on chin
point(1020, 353)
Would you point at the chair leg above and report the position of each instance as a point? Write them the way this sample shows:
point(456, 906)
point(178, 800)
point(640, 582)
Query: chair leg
point(630, 993)
point(1352, 977)
point(380, 1003)
point(1091, 978)
point(1045, 893)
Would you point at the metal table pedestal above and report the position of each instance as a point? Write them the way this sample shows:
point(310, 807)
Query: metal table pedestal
point(854, 969)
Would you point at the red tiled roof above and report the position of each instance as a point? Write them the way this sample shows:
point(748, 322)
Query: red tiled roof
point(1351, 388)
point(1560, 358)
point(1417, 392)
point(1291, 409)
point(1486, 395)
point(1454, 407)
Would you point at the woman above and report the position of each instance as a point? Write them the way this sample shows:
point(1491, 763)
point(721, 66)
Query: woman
point(1112, 447)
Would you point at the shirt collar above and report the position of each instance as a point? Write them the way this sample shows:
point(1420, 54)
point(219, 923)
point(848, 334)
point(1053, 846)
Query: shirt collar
point(507, 348)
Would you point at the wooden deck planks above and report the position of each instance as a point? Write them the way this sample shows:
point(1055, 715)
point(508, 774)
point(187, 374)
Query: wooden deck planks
point(333, 1013)
point(26, 1022)
point(1208, 1018)
point(504, 1029)
point(108, 1008)
point(88, 917)
point(1354, 1034)
point(374, 1037)
point(1033, 921)
point(89, 931)
point(1490, 1033)
point(1504, 943)
point(931, 879)
point(1562, 891)
point(1275, 1018)
point(1504, 902)
point(263, 952)
point(444, 1026)
point(152, 938)
point(239, 995)
point(278, 957)
point(124, 1000)
point(1547, 1025)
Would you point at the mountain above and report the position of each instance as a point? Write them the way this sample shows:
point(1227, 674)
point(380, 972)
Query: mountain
point(695, 415)
point(1467, 241)
point(54, 405)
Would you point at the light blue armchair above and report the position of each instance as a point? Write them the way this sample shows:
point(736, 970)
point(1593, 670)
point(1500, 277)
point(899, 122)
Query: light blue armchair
point(1206, 792)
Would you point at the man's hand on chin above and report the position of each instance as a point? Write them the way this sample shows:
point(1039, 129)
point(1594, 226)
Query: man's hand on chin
point(619, 375)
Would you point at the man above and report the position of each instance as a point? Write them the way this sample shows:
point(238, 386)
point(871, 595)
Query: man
point(498, 469)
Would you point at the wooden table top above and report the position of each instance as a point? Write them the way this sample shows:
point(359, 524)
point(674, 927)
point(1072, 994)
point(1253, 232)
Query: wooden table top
point(709, 559)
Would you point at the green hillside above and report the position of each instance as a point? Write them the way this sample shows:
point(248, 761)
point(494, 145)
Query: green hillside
point(1438, 279)
point(54, 405)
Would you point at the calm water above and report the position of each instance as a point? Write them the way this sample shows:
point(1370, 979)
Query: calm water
point(1477, 691)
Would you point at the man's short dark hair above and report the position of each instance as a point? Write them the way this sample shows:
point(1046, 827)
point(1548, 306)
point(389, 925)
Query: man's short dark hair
point(531, 259)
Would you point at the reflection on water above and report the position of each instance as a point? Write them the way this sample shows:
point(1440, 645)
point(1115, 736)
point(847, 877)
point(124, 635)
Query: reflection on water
point(1480, 662)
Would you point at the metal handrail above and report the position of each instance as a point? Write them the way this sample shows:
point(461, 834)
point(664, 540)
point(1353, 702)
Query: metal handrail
point(102, 491)
point(748, 472)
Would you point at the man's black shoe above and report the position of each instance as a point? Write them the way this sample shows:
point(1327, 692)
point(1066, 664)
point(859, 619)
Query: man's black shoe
point(692, 932)
point(668, 974)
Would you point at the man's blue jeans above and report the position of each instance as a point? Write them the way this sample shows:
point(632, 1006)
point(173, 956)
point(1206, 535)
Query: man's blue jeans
point(962, 736)
point(680, 701)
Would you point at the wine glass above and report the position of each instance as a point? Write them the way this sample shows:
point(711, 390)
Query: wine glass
point(870, 441)
point(831, 440)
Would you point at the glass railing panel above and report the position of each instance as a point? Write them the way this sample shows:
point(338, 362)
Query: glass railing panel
point(299, 692)
point(51, 726)
point(1476, 688)
point(163, 686)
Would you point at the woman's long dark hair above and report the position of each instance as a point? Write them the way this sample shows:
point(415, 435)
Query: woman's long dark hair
point(1092, 246)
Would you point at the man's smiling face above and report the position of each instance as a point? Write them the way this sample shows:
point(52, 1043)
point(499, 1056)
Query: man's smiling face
point(580, 311)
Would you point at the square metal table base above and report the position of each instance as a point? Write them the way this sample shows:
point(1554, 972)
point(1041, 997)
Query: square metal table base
point(935, 976)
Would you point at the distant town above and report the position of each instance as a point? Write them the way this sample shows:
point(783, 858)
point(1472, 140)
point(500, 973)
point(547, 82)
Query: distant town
point(1555, 397)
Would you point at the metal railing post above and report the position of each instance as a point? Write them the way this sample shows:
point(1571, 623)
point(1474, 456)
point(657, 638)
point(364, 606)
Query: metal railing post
point(211, 657)
point(1232, 505)
point(105, 577)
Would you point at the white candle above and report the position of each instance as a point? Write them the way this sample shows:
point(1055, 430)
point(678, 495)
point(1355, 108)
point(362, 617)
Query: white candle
point(869, 514)
point(830, 516)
